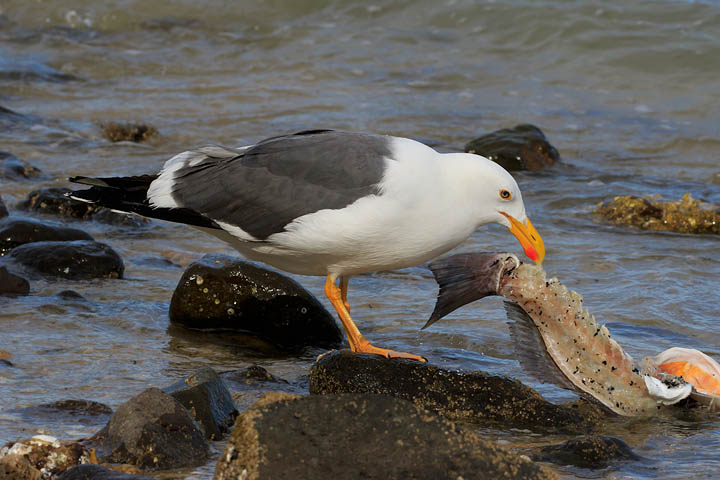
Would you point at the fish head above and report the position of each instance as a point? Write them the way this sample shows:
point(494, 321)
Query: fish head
point(466, 277)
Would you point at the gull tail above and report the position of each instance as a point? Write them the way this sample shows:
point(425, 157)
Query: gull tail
point(129, 195)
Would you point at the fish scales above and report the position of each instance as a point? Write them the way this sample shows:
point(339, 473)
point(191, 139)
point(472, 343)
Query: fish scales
point(581, 349)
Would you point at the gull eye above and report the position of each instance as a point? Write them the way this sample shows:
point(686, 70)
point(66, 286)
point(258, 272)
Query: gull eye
point(505, 194)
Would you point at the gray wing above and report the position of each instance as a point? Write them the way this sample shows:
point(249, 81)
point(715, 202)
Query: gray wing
point(267, 186)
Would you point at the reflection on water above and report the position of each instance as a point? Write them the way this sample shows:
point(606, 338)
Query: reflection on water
point(628, 93)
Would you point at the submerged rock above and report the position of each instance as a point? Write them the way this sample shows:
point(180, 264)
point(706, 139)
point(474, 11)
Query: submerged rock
point(127, 132)
point(208, 400)
point(593, 452)
point(12, 168)
point(254, 374)
point(223, 293)
point(252, 383)
point(72, 260)
point(79, 411)
point(96, 472)
point(54, 202)
point(11, 284)
point(38, 457)
point(15, 231)
point(152, 431)
point(475, 397)
point(360, 437)
point(683, 216)
point(523, 147)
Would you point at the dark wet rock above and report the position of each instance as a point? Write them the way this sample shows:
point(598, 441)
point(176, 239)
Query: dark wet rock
point(15, 231)
point(683, 216)
point(79, 259)
point(208, 400)
point(220, 292)
point(53, 201)
point(11, 284)
point(593, 452)
point(46, 455)
point(127, 132)
point(523, 147)
point(152, 431)
point(97, 472)
point(3, 209)
point(12, 168)
point(475, 397)
point(355, 436)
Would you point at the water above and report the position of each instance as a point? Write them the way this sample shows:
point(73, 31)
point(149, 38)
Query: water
point(627, 92)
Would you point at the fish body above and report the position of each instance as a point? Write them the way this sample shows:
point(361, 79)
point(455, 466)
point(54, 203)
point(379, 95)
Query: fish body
point(557, 339)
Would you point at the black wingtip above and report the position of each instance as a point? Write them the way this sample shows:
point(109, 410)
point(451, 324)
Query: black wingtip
point(94, 182)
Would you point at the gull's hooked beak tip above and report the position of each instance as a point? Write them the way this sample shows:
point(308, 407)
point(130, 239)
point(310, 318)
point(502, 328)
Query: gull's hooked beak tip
point(530, 240)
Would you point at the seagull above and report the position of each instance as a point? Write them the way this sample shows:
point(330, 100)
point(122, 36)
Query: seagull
point(328, 203)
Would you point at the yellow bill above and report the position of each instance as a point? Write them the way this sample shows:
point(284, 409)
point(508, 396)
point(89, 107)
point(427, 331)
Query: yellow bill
point(528, 237)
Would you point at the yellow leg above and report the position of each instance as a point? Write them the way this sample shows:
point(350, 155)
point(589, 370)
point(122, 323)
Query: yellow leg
point(344, 281)
point(358, 342)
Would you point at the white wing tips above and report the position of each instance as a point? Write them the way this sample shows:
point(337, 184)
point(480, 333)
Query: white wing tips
point(160, 192)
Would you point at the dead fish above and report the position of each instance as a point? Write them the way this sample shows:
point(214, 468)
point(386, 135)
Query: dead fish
point(556, 339)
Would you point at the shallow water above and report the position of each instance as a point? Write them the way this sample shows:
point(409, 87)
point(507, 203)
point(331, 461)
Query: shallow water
point(628, 93)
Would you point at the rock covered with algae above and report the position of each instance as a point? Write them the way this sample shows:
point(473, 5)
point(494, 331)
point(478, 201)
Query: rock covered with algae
point(127, 132)
point(686, 215)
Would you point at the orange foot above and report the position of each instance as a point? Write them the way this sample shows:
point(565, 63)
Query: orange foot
point(366, 347)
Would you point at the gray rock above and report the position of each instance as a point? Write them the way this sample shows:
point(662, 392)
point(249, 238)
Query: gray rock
point(53, 201)
point(523, 147)
point(152, 431)
point(96, 472)
point(15, 231)
point(593, 452)
point(475, 397)
point(223, 293)
point(360, 437)
point(11, 284)
point(12, 168)
point(79, 259)
point(208, 400)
